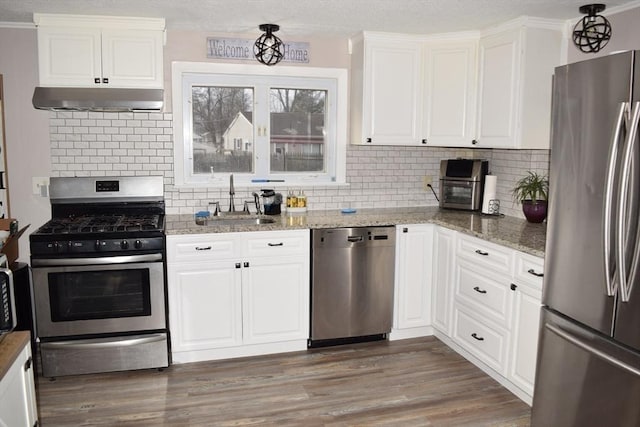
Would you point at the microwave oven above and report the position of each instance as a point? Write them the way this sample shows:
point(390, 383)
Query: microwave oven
point(462, 183)
point(8, 319)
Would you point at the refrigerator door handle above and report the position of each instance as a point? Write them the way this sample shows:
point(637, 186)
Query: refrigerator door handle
point(621, 237)
point(591, 350)
point(623, 111)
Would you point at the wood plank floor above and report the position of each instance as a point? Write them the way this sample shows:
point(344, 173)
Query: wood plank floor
point(418, 382)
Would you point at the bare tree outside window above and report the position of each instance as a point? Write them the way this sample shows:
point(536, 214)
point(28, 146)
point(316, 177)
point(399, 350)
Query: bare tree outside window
point(298, 137)
point(222, 117)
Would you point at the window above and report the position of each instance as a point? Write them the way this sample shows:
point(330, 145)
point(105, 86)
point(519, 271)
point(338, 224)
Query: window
point(281, 123)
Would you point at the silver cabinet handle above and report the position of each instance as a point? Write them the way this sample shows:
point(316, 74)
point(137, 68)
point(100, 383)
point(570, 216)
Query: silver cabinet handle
point(479, 252)
point(533, 272)
point(205, 248)
point(480, 291)
point(621, 237)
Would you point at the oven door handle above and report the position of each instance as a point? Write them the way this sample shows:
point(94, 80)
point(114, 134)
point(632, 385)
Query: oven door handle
point(108, 342)
point(66, 262)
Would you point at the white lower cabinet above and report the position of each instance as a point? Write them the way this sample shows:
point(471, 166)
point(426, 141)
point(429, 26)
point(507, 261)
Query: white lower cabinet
point(496, 311)
point(414, 260)
point(527, 293)
point(238, 294)
point(442, 292)
point(17, 392)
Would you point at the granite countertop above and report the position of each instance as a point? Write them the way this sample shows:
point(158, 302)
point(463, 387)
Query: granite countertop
point(508, 231)
point(10, 347)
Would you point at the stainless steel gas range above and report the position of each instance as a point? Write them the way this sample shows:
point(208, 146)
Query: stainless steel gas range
point(99, 278)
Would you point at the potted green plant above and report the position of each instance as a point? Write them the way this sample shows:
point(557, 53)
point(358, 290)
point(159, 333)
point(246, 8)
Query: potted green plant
point(532, 191)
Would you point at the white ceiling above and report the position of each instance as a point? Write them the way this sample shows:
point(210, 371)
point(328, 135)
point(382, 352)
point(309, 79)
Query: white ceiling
point(310, 17)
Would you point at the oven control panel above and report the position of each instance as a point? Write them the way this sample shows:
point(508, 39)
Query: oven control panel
point(80, 247)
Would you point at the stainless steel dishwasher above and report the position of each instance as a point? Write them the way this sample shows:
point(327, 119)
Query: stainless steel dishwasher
point(352, 278)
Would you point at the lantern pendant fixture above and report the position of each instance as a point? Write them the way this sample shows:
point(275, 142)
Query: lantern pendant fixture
point(268, 48)
point(593, 31)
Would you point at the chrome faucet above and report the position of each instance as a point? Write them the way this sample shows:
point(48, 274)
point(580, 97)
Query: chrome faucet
point(232, 192)
point(256, 199)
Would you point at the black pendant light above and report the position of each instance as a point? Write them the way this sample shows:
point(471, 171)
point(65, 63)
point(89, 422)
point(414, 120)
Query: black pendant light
point(268, 48)
point(593, 31)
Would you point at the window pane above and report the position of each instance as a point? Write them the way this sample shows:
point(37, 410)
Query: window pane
point(222, 129)
point(297, 119)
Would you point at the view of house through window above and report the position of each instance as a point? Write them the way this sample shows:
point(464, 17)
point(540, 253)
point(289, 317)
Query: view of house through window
point(286, 124)
point(224, 135)
point(222, 129)
point(297, 136)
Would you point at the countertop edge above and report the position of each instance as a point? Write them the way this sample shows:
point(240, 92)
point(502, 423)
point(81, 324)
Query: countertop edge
point(514, 233)
point(10, 347)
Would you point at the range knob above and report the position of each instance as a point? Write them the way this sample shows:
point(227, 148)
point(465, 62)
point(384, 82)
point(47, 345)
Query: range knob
point(98, 245)
point(137, 244)
point(124, 244)
point(57, 247)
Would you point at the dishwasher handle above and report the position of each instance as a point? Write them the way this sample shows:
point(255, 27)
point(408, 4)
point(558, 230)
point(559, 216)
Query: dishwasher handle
point(355, 239)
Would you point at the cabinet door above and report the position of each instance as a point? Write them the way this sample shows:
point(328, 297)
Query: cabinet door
point(275, 299)
point(499, 97)
point(69, 57)
point(391, 98)
point(414, 244)
point(132, 58)
point(17, 392)
point(525, 324)
point(443, 256)
point(449, 96)
point(205, 305)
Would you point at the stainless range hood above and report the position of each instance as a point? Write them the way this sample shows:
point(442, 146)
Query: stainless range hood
point(94, 99)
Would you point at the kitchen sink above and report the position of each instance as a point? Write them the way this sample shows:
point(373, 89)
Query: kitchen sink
point(238, 221)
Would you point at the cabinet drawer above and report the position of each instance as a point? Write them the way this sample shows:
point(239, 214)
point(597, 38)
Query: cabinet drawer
point(202, 247)
point(529, 269)
point(488, 295)
point(488, 255)
point(275, 243)
point(487, 343)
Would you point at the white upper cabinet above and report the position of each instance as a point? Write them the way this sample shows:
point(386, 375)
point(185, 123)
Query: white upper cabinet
point(516, 66)
point(89, 51)
point(385, 89)
point(450, 92)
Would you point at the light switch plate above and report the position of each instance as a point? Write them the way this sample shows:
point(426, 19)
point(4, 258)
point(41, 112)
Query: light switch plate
point(40, 186)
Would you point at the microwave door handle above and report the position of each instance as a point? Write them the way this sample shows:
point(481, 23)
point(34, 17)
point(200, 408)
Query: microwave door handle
point(610, 280)
point(621, 235)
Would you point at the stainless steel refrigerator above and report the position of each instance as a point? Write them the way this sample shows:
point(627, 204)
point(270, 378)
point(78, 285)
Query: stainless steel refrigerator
point(588, 371)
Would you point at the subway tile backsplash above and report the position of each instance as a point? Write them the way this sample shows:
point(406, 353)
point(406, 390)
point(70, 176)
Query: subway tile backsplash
point(120, 144)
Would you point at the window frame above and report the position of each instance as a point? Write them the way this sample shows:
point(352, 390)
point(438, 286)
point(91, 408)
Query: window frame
point(336, 143)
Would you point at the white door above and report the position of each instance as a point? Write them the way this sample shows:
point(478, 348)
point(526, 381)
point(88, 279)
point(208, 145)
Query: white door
point(443, 257)
point(205, 305)
point(132, 58)
point(414, 275)
point(275, 293)
point(526, 324)
point(392, 91)
point(17, 393)
point(450, 94)
point(500, 58)
point(69, 57)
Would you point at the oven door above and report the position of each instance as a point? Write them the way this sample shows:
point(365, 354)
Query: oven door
point(108, 295)
point(460, 194)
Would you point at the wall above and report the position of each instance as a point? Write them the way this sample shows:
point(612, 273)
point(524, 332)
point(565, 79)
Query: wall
point(625, 34)
point(27, 129)
point(101, 144)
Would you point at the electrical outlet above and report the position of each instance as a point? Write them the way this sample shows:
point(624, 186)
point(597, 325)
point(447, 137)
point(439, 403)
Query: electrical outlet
point(40, 185)
point(426, 182)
